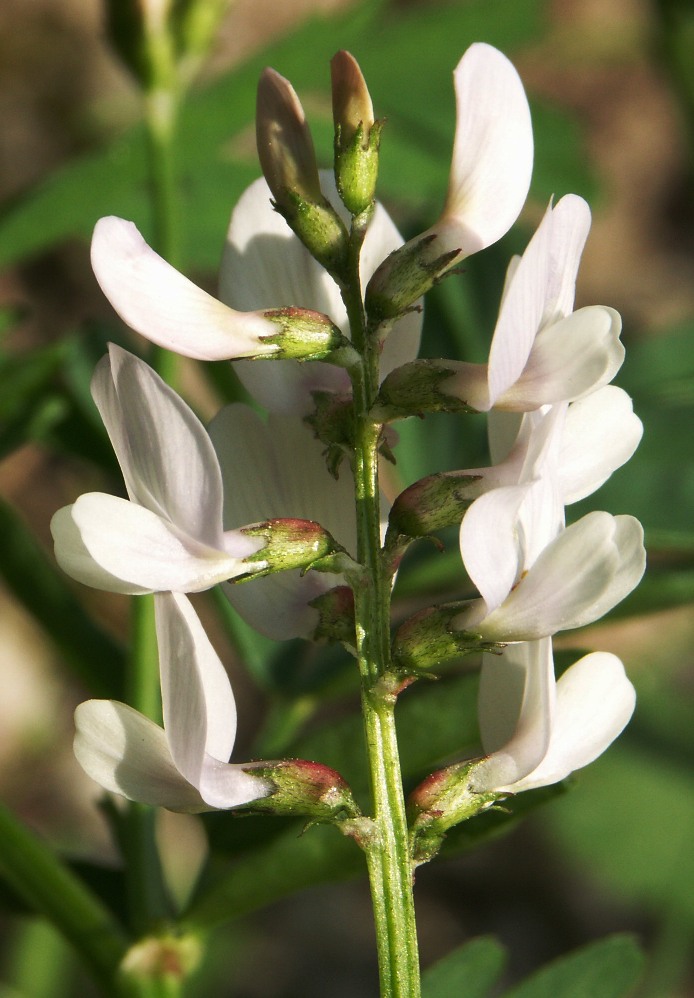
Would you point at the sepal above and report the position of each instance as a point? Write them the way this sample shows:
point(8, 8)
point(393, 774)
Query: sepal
point(291, 543)
point(442, 800)
point(415, 388)
point(357, 135)
point(332, 422)
point(305, 789)
point(428, 639)
point(431, 504)
point(404, 276)
point(306, 335)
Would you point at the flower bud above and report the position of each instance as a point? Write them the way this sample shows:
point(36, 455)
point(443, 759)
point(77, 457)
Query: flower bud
point(406, 275)
point(357, 135)
point(431, 504)
point(290, 543)
point(441, 801)
point(288, 161)
point(305, 788)
point(332, 422)
point(306, 335)
point(414, 388)
point(335, 616)
point(428, 639)
point(160, 960)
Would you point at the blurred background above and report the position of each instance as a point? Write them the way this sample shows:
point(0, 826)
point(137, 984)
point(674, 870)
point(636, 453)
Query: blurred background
point(612, 92)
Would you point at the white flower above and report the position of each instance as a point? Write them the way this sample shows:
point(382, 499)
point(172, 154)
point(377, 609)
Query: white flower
point(169, 534)
point(537, 731)
point(265, 264)
point(184, 767)
point(580, 445)
point(277, 466)
point(492, 157)
point(535, 578)
point(163, 305)
point(542, 352)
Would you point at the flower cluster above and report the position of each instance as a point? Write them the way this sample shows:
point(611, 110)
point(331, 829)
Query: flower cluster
point(286, 317)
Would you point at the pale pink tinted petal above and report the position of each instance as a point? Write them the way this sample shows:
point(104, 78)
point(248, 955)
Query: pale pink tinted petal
point(601, 434)
point(163, 305)
point(139, 548)
point(516, 706)
point(489, 543)
point(167, 458)
point(595, 701)
point(492, 152)
point(128, 754)
point(198, 703)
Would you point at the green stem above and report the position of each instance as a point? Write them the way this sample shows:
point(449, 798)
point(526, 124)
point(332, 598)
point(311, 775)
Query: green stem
point(388, 854)
point(147, 899)
point(51, 889)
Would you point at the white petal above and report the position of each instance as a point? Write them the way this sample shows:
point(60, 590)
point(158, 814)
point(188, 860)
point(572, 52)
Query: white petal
point(516, 706)
point(492, 152)
point(587, 570)
point(128, 754)
point(595, 701)
point(198, 703)
point(266, 266)
point(125, 548)
point(600, 435)
point(163, 305)
point(489, 543)
point(224, 785)
point(167, 458)
point(276, 468)
point(574, 356)
point(539, 292)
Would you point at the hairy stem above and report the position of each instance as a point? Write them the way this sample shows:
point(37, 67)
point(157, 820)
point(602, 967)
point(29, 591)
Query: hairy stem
point(388, 854)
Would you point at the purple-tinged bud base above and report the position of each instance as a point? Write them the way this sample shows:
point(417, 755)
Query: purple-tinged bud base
point(290, 543)
point(305, 789)
point(336, 622)
point(431, 504)
point(441, 801)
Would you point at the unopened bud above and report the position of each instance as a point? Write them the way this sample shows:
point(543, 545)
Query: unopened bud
point(332, 422)
point(406, 275)
point(431, 504)
point(289, 543)
point(159, 961)
point(443, 800)
point(288, 161)
point(307, 789)
point(306, 335)
point(335, 616)
point(428, 639)
point(357, 135)
point(415, 388)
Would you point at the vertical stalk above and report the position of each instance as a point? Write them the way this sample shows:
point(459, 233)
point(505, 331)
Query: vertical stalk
point(388, 855)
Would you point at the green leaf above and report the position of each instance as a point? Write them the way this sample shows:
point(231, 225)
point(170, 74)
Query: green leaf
point(629, 823)
point(290, 863)
point(467, 972)
point(607, 969)
point(38, 584)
